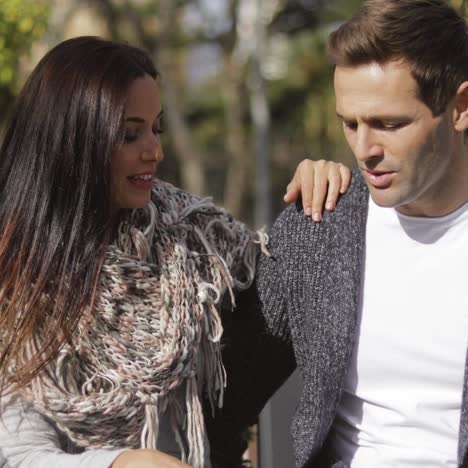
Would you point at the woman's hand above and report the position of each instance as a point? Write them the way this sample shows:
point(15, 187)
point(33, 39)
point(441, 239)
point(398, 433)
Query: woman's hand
point(143, 458)
point(319, 183)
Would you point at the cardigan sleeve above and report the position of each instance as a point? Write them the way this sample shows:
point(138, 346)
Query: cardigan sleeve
point(28, 440)
point(257, 354)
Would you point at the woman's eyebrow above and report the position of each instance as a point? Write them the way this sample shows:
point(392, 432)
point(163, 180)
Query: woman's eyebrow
point(135, 119)
point(140, 120)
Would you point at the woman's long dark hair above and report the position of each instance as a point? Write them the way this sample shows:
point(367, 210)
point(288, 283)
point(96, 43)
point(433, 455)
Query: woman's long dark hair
point(55, 210)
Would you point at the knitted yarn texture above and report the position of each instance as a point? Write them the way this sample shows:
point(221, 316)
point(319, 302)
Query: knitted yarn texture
point(156, 310)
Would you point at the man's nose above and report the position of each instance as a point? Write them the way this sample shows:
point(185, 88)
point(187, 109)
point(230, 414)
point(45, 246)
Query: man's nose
point(367, 145)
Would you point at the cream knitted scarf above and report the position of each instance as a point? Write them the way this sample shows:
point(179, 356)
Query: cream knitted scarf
point(156, 311)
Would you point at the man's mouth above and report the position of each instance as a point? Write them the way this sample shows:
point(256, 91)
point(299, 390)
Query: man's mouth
point(379, 179)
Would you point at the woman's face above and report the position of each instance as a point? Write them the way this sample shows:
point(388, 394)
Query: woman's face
point(135, 162)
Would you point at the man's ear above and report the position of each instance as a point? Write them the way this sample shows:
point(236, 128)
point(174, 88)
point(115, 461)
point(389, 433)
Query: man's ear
point(461, 108)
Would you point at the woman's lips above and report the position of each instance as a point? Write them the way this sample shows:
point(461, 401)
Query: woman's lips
point(379, 179)
point(141, 183)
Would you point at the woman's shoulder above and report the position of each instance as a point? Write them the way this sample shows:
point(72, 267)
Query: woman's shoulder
point(163, 190)
point(178, 202)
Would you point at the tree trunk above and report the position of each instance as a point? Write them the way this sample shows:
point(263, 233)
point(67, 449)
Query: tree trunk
point(260, 112)
point(236, 176)
point(187, 153)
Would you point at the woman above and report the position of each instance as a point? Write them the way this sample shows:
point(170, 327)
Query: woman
point(111, 279)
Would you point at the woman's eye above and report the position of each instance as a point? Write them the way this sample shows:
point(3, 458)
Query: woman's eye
point(130, 137)
point(159, 128)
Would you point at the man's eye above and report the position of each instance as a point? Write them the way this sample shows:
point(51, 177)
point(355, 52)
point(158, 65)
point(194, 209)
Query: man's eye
point(392, 126)
point(349, 125)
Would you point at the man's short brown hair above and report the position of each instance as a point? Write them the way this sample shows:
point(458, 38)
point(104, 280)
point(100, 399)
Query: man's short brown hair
point(429, 34)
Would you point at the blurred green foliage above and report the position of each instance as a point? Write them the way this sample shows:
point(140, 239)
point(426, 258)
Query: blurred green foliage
point(460, 5)
point(22, 22)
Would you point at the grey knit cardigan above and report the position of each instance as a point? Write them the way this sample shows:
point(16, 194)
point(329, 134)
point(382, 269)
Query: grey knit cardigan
point(301, 311)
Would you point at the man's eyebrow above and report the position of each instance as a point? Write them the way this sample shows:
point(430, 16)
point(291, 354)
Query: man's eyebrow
point(381, 117)
point(342, 117)
point(389, 118)
point(140, 120)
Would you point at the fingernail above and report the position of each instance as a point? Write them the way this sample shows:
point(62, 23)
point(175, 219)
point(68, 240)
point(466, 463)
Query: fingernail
point(317, 217)
point(308, 211)
point(329, 206)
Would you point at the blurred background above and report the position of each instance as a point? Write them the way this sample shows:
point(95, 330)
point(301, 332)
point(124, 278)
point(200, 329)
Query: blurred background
point(247, 94)
point(246, 85)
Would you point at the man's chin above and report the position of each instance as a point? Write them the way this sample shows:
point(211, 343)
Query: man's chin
point(384, 198)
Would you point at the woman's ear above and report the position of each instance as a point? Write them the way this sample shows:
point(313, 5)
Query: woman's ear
point(461, 108)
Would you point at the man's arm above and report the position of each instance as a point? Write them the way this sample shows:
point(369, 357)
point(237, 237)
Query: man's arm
point(258, 355)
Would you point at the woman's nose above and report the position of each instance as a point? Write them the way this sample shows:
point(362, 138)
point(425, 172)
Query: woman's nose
point(153, 150)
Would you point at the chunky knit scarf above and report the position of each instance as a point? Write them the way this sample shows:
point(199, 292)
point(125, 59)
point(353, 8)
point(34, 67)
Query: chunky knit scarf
point(156, 311)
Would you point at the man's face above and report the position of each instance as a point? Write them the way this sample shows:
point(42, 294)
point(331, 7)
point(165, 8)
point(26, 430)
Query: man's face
point(405, 153)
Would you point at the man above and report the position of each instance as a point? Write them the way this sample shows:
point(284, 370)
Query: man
point(371, 303)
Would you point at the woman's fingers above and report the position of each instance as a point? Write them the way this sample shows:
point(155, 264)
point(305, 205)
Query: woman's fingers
point(319, 183)
point(345, 172)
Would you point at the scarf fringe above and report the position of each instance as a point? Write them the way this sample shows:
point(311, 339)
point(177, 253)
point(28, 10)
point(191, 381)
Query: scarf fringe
point(195, 425)
point(149, 434)
point(161, 284)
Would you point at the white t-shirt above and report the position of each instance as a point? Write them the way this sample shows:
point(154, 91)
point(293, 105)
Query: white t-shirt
point(402, 396)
